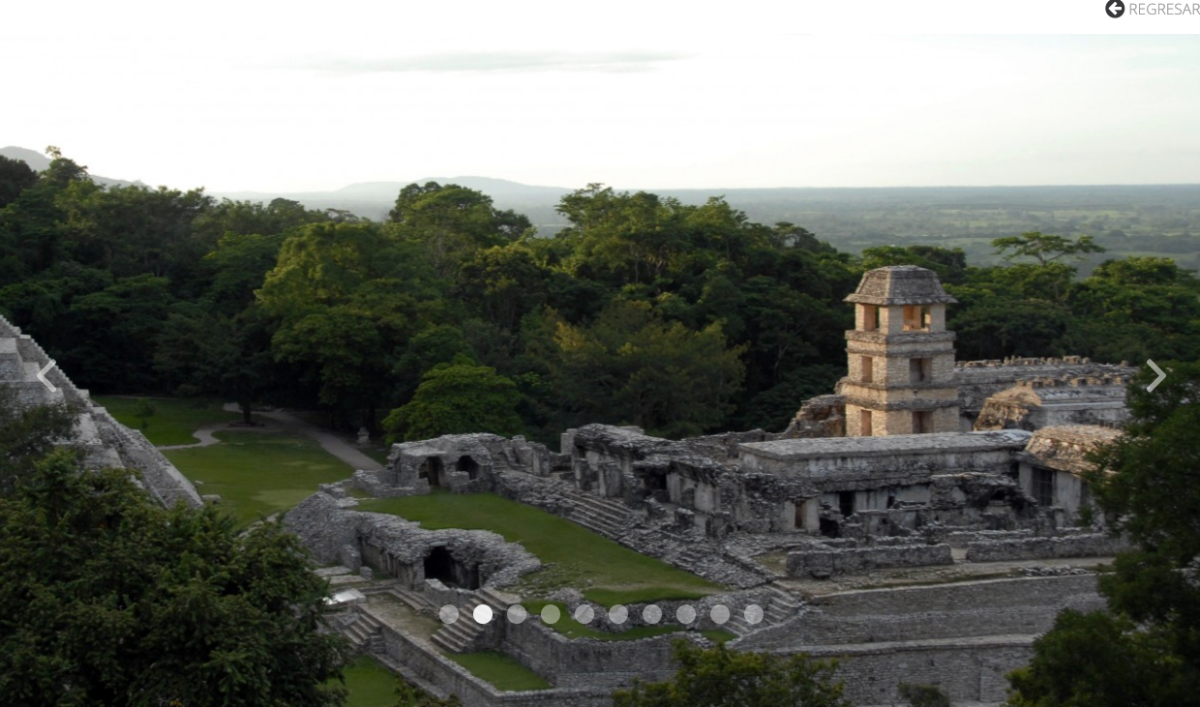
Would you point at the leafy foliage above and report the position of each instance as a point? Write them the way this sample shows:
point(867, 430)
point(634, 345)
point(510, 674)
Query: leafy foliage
point(717, 677)
point(145, 291)
point(107, 598)
point(456, 398)
point(660, 376)
point(923, 695)
point(27, 434)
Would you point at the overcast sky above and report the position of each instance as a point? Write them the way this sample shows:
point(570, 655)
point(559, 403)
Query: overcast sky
point(242, 98)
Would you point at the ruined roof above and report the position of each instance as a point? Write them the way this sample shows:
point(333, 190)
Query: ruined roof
point(1065, 392)
point(900, 284)
point(1065, 447)
point(890, 445)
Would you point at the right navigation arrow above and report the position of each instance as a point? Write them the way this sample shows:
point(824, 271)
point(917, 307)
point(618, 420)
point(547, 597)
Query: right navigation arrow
point(1150, 388)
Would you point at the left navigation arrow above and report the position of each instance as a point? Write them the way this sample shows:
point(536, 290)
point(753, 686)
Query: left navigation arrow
point(42, 377)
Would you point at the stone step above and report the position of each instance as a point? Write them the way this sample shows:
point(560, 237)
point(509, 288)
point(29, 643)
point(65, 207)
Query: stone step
point(455, 637)
point(369, 622)
point(587, 505)
point(498, 603)
point(440, 641)
point(415, 601)
point(376, 644)
point(358, 632)
point(610, 510)
point(596, 526)
point(608, 514)
point(739, 626)
point(591, 521)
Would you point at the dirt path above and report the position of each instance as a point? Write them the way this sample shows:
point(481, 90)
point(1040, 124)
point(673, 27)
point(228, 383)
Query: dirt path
point(280, 421)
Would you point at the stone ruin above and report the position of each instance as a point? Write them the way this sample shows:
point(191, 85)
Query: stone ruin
point(715, 506)
point(916, 463)
point(106, 442)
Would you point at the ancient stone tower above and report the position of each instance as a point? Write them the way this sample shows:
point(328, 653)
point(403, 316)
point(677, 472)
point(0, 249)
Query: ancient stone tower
point(901, 378)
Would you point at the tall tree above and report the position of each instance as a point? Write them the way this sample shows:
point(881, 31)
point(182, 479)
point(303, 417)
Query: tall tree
point(451, 221)
point(108, 599)
point(631, 366)
point(457, 398)
point(1044, 248)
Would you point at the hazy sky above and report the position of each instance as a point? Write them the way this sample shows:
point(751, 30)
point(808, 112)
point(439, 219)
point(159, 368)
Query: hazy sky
point(300, 97)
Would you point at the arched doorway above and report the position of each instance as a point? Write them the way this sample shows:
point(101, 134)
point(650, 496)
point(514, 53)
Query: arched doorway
point(468, 464)
point(431, 469)
point(441, 565)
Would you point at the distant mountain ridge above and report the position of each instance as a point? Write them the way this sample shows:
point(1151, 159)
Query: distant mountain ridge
point(39, 163)
point(495, 188)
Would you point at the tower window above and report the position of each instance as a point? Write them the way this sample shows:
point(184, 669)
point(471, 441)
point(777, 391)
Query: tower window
point(920, 370)
point(922, 422)
point(866, 424)
point(870, 320)
point(917, 318)
point(868, 369)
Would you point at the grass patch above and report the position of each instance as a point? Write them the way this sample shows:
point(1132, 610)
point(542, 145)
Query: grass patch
point(259, 473)
point(718, 635)
point(576, 557)
point(610, 598)
point(501, 670)
point(369, 683)
point(377, 452)
point(174, 419)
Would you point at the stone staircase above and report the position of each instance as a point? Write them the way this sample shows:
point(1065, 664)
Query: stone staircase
point(778, 606)
point(365, 633)
point(781, 607)
point(461, 636)
point(599, 515)
point(21, 358)
point(414, 600)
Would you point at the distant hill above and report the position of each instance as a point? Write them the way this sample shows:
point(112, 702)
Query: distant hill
point(39, 162)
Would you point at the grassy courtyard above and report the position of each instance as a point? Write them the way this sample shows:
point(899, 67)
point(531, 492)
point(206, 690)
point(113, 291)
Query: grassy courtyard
point(574, 556)
point(500, 669)
point(369, 684)
point(174, 419)
point(259, 473)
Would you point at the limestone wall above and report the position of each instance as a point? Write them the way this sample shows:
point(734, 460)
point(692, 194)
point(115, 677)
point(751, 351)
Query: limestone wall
point(965, 670)
point(986, 594)
point(942, 612)
point(588, 662)
point(825, 563)
point(1038, 548)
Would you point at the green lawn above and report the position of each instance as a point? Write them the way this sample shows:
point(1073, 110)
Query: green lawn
point(501, 670)
point(575, 557)
point(174, 419)
point(259, 473)
point(369, 683)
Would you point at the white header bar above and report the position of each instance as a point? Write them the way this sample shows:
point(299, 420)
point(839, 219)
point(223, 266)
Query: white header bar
point(1001, 17)
point(896, 17)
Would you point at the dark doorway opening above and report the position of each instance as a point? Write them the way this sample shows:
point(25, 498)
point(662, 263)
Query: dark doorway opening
point(441, 565)
point(799, 521)
point(431, 469)
point(468, 464)
point(830, 528)
point(655, 481)
point(846, 503)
